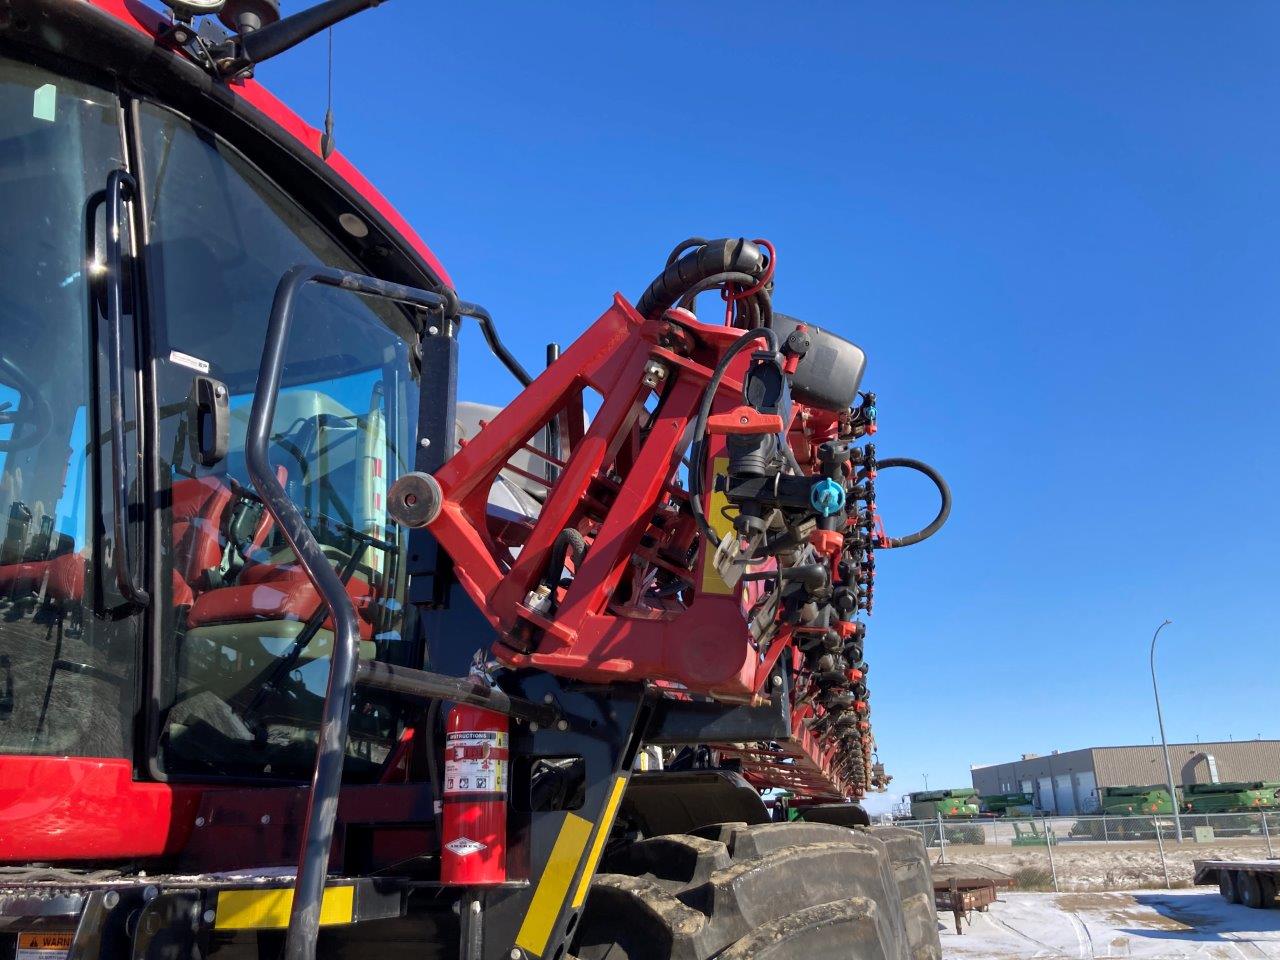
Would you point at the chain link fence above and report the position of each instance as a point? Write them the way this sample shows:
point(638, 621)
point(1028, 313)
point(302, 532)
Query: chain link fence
point(1100, 852)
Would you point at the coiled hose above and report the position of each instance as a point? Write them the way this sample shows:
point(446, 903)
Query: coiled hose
point(944, 492)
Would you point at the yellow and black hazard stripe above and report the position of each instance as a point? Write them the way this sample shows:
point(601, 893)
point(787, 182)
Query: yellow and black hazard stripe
point(575, 854)
point(269, 909)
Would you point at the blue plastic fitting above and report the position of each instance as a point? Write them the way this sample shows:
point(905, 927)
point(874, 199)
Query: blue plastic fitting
point(827, 497)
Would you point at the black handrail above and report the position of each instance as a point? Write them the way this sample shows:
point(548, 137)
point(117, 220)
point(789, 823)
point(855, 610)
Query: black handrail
point(121, 187)
point(326, 778)
point(424, 685)
point(496, 346)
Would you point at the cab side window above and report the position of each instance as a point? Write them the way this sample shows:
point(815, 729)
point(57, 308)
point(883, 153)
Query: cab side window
point(249, 639)
point(67, 676)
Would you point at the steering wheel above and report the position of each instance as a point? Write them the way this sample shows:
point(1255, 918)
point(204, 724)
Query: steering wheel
point(32, 419)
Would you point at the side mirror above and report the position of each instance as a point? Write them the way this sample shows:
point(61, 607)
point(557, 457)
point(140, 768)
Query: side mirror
point(209, 420)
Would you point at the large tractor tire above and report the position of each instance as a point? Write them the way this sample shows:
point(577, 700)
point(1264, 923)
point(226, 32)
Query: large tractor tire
point(911, 871)
point(774, 891)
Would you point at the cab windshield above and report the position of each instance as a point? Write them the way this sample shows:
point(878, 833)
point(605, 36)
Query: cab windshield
point(67, 678)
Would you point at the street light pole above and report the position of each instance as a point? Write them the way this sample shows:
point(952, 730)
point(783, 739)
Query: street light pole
point(1168, 766)
point(926, 781)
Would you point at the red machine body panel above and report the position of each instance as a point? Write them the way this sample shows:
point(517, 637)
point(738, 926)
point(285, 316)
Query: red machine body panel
point(76, 808)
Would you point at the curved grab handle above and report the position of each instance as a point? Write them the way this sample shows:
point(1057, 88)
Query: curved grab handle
point(121, 188)
point(331, 746)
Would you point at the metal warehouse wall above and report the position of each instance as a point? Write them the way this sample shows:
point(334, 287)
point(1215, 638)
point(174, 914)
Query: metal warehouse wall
point(992, 780)
point(1236, 760)
point(1136, 765)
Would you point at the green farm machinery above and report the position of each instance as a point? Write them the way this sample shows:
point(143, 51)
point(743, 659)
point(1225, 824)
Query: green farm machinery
point(1134, 801)
point(1008, 805)
point(960, 803)
point(1234, 797)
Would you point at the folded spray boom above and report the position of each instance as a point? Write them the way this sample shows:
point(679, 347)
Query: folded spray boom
point(714, 522)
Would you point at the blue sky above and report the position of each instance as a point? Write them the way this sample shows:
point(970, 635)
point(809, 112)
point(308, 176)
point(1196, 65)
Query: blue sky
point(1053, 228)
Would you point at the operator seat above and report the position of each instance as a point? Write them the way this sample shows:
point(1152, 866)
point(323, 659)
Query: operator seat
point(198, 504)
point(275, 591)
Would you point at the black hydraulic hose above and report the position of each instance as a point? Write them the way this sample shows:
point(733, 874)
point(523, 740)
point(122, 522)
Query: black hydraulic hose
point(737, 255)
point(715, 280)
point(697, 452)
point(944, 492)
point(496, 346)
point(567, 541)
point(684, 245)
point(754, 311)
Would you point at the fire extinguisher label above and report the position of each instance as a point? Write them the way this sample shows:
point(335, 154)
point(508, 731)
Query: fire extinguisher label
point(475, 762)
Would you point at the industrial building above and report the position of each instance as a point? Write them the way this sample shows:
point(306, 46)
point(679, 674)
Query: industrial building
point(1066, 783)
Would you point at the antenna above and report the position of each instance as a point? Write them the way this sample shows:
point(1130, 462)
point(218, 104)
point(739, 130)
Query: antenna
point(326, 138)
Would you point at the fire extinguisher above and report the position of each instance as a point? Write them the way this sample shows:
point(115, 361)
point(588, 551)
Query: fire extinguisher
point(474, 815)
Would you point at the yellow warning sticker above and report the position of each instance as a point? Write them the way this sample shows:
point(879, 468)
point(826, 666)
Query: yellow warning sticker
point(712, 582)
point(43, 945)
point(553, 885)
point(269, 909)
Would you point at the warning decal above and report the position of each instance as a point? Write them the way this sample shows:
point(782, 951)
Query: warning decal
point(43, 945)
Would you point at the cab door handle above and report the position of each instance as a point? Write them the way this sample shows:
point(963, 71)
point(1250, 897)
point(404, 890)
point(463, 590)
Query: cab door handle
point(121, 188)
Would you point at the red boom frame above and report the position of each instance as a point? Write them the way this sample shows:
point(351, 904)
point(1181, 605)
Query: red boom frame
point(619, 487)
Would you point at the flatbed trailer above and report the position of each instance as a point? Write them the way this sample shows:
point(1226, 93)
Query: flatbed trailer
point(962, 888)
point(1253, 883)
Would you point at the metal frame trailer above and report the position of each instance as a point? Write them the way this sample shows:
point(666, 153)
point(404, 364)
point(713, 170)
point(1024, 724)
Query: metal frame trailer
point(1252, 883)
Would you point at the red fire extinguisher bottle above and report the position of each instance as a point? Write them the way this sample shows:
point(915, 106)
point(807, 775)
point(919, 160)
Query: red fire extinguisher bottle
point(474, 816)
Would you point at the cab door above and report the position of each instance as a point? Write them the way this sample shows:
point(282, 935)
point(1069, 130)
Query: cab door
point(244, 639)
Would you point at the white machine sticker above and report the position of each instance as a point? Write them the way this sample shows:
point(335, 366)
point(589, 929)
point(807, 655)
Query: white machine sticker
point(43, 945)
point(188, 361)
point(465, 846)
point(473, 764)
